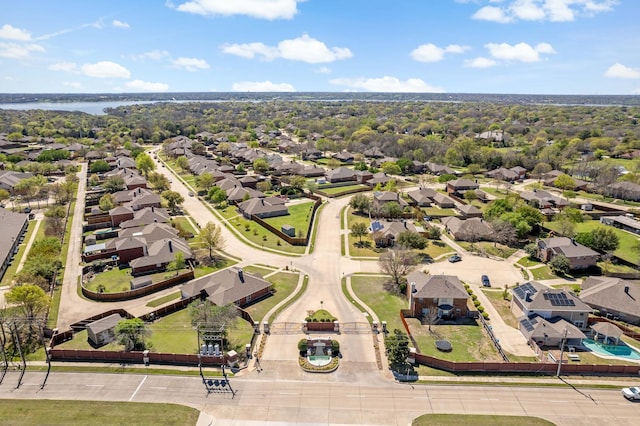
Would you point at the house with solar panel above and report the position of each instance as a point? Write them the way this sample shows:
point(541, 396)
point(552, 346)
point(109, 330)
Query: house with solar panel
point(545, 313)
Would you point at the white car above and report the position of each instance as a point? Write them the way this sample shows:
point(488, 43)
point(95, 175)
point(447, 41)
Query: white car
point(631, 393)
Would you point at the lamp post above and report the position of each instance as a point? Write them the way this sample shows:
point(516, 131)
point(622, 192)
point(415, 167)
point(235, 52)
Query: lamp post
point(564, 338)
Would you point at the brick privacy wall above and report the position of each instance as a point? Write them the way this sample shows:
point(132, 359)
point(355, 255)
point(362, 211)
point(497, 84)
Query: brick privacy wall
point(139, 292)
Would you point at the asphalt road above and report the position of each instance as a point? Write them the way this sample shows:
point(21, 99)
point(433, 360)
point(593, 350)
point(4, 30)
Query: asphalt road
point(271, 399)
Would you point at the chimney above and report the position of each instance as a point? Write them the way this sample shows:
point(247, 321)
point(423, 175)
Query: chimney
point(527, 296)
point(170, 247)
point(626, 289)
point(241, 275)
point(152, 210)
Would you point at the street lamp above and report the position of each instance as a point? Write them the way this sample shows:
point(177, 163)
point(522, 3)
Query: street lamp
point(564, 338)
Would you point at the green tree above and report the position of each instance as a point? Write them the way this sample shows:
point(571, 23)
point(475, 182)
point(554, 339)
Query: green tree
point(359, 230)
point(132, 334)
point(182, 162)
point(106, 202)
point(446, 177)
point(260, 165)
point(412, 240)
point(114, 183)
point(4, 195)
point(211, 237)
point(405, 165)
point(360, 202)
point(397, 349)
point(297, 182)
point(560, 265)
point(204, 181)
point(470, 195)
point(31, 300)
point(391, 168)
point(55, 219)
point(564, 182)
point(217, 195)
point(145, 164)
point(177, 263)
point(264, 186)
point(174, 199)
point(566, 227)
point(397, 262)
point(158, 181)
point(601, 239)
point(99, 166)
point(392, 209)
point(333, 163)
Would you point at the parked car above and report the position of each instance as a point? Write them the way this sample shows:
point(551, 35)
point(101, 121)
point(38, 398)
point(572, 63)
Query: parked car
point(455, 258)
point(27, 209)
point(485, 281)
point(631, 393)
point(191, 194)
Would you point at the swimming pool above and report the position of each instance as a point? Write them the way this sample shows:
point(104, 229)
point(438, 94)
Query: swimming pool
point(622, 350)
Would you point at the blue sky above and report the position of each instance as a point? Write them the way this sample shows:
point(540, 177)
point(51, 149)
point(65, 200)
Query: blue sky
point(456, 46)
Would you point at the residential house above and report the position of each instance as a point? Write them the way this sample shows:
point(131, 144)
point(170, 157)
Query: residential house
point(625, 223)
point(492, 135)
point(439, 169)
point(579, 256)
point(159, 254)
point(459, 186)
point(443, 201)
point(145, 216)
point(469, 210)
point(422, 197)
point(120, 214)
point(545, 309)
point(624, 190)
point(379, 178)
point(444, 293)
point(504, 174)
point(613, 297)
point(238, 194)
point(385, 234)
point(137, 199)
point(311, 171)
point(232, 285)
point(363, 176)
point(543, 199)
point(473, 229)
point(102, 331)
point(263, 207)
point(341, 174)
point(9, 179)
point(12, 228)
point(373, 153)
point(344, 157)
point(380, 198)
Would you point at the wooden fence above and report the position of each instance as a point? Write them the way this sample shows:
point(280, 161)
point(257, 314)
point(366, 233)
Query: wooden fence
point(292, 240)
point(139, 292)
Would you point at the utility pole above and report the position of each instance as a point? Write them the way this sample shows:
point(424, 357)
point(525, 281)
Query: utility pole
point(564, 338)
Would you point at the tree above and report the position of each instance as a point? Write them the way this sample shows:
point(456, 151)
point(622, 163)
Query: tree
point(601, 239)
point(31, 300)
point(390, 168)
point(264, 186)
point(114, 183)
point(182, 162)
point(145, 164)
point(405, 165)
point(99, 166)
point(211, 237)
point(131, 333)
point(412, 240)
point(360, 202)
point(106, 202)
point(4, 195)
point(217, 195)
point(204, 181)
point(158, 181)
point(260, 165)
point(541, 169)
point(560, 265)
point(470, 195)
point(564, 182)
point(392, 209)
point(173, 198)
point(359, 230)
point(397, 262)
point(397, 349)
point(504, 232)
point(566, 228)
point(55, 218)
point(177, 263)
point(297, 182)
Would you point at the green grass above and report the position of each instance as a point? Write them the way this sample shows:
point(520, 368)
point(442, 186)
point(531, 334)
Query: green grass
point(164, 299)
point(284, 284)
point(185, 224)
point(339, 190)
point(116, 279)
point(305, 284)
point(493, 191)
point(10, 272)
point(386, 306)
point(299, 217)
point(52, 412)
point(321, 315)
point(52, 317)
point(436, 248)
point(478, 420)
point(502, 306)
point(543, 273)
point(438, 212)
point(365, 312)
point(469, 342)
point(253, 269)
point(493, 249)
point(627, 240)
point(527, 262)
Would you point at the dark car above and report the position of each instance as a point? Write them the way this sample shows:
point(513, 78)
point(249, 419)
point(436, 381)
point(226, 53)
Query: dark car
point(485, 281)
point(455, 258)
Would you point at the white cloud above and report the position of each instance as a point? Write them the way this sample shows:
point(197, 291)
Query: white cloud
point(63, 66)
point(387, 84)
point(147, 86)
point(119, 24)
point(190, 64)
point(493, 14)
point(105, 69)
point(431, 53)
point(155, 55)
point(542, 10)
point(10, 32)
point(72, 84)
point(18, 51)
point(522, 52)
point(480, 63)
point(261, 86)
point(261, 9)
point(618, 70)
point(304, 49)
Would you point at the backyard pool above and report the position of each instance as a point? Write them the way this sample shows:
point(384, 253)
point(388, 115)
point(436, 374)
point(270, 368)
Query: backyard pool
point(621, 351)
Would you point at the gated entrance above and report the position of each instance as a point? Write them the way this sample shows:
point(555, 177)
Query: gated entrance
point(355, 328)
point(285, 328)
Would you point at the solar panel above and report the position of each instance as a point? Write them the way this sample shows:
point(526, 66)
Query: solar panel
point(526, 323)
point(376, 226)
point(559, 299)
point(522, 290)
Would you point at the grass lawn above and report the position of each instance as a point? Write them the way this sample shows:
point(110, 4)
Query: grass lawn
point(253, 269)
point(436, 248)
point(478, 420)
point(385, 305)
point(11, 270)
point(117, 279)
point(493, 191)
point(339, 190)
point(527, 262)
point(627, 240)
point(438, 212)
point(185, 224)
point(543, 273)
point(299, 217)
point(321, 315)
point(284, 283)
point(52, 412)
point(469, 342)
point(164, 299)
point(502, 306)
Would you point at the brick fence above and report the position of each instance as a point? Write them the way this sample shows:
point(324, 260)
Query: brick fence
point(139, 292)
